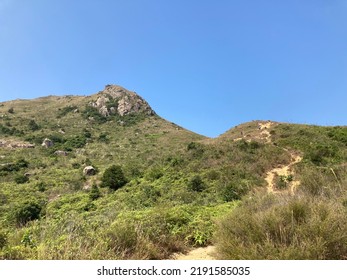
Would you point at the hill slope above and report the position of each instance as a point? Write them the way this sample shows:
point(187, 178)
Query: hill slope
point(177, 189)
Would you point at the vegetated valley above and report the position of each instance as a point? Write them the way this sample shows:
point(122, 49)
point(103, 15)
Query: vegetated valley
point(105, 177)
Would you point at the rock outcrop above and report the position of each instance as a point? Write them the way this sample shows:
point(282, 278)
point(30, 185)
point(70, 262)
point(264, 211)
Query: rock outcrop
point(117, 100)
point(89, 171)
point(47, 143)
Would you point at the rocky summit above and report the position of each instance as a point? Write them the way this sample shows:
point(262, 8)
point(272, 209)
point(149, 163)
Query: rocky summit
point(117, 100)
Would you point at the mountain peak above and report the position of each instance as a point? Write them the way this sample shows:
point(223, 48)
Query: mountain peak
point(115, 99)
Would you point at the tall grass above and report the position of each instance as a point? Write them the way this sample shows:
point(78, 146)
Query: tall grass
point(309, 225)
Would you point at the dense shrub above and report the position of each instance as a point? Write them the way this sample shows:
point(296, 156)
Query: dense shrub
point(26, 212)
point(64, 111)
point(5, 130)
point(233, 191)
point(93, 113)
point(94, 193)
point(196, 184)
point(113, 178)
point(75, 142)
point(103, 138)
point(154, 174)
point(13, 167)
point(41, 187)
point(338, 134)
point(3, 239)
point(21, 179)
point(33, 125)
point(195, 149)
point(320, 154)
point(249, 147)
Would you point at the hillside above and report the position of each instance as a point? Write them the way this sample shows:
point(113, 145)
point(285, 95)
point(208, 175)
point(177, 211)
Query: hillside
point(104, 177)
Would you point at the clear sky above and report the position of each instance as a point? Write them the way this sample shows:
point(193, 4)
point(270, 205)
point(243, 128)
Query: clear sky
point(206, 65)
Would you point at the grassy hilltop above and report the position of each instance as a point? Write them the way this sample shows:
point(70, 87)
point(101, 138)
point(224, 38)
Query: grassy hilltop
point(262, 190)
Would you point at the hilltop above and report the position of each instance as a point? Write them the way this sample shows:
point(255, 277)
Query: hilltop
point(104, 177)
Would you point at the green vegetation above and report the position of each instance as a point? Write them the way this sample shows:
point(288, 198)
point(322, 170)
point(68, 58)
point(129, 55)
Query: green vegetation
point(113, 178)
point(161, 189)
point(29, 211)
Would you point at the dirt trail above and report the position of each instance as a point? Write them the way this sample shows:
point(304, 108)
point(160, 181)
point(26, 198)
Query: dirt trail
point(204, 253)
point(209, 253)
point(264, 128)
point(284, 170)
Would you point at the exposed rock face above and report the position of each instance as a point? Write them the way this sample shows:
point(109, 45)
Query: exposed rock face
point(47, 143)
point(89, 171)
point(117, 100)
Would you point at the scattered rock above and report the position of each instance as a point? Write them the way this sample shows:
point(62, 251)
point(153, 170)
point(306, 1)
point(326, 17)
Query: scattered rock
point(61, 131)
point(61, 153)
point(89, 171)
point(47, 143)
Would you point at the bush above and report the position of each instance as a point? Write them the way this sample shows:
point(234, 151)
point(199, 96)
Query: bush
point(12, 167)
point(76, 142)
point(233, 191)
point(94, 193)
point(64, 111)
point(93, 113)
point(319, 154)
point(3, 239)
point(154, 174)
point(113, 178)
point(41, 187)
point(196, 149)
point(196, 184)
point(103, 138)
point(33, 125)
point(21, 179)
point(27, 212)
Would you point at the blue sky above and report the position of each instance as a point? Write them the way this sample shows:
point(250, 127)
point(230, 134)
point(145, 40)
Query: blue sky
point(205, 65)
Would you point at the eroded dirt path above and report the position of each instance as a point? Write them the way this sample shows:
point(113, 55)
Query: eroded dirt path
point(264, 131)
point(204, 253)
point(209, 253)
point(284, 170)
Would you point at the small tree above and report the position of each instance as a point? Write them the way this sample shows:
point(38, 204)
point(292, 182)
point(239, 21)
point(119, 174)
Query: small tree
point(113, 178)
